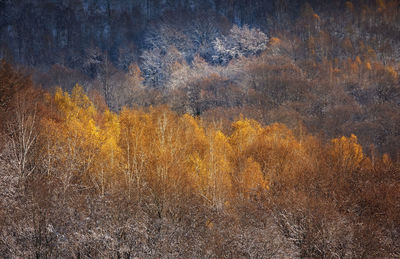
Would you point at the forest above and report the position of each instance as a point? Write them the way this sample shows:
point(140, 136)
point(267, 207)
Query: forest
point(199, 129)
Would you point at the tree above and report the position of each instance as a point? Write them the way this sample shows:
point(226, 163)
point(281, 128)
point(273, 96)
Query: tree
point(23, 130)
point(167, 35)
point(240, 42)
point(19, 116)
point(99, 66)
point(12, 81)
point(218, 181)
point(347, 153)
point(158, 65)
point(127, 56)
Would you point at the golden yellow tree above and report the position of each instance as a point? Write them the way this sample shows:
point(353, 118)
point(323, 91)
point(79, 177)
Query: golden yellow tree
point(346, 152)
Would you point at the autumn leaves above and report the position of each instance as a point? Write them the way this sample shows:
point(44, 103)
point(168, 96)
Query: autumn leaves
point(154, 169)
point(162, 152)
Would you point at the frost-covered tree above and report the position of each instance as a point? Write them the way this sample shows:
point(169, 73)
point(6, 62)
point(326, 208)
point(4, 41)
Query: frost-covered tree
point(202, 31)
point(240, 42)
point(151, 66)
point(186, 74)
point(191, 36)
point(168, 34)
point(158, 65)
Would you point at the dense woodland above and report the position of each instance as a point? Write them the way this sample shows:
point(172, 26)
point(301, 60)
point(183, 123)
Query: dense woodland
point(198, 129)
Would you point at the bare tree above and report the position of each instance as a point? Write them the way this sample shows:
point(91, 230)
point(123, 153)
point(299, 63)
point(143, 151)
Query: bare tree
point(241, 41)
